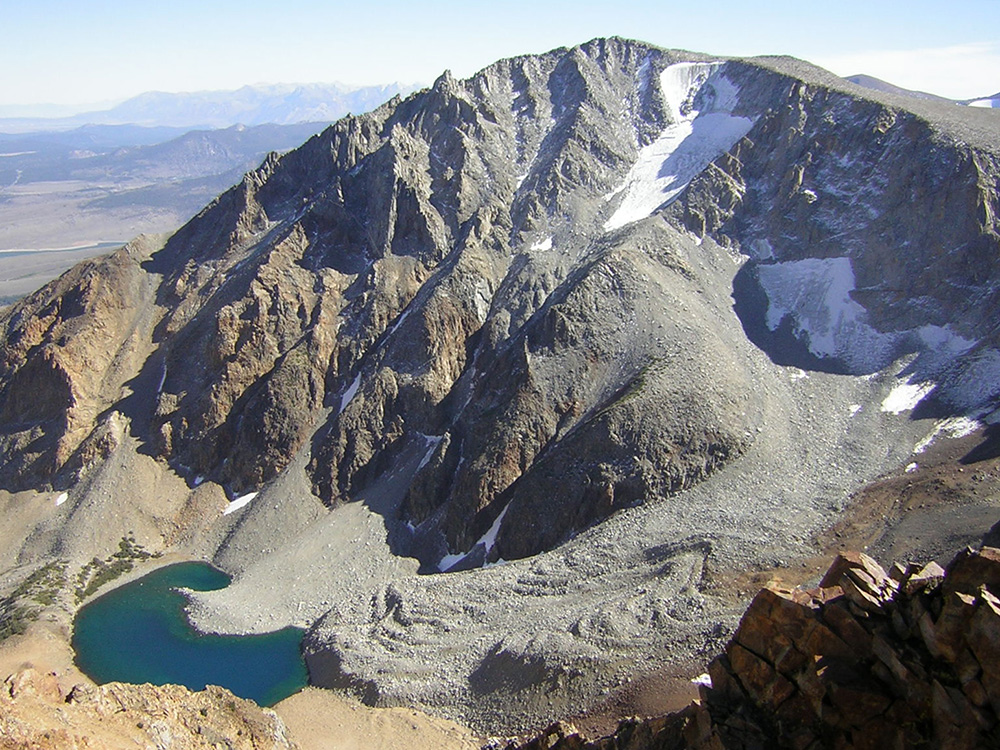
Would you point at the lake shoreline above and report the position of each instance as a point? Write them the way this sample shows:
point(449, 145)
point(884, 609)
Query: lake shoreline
point(140, 632)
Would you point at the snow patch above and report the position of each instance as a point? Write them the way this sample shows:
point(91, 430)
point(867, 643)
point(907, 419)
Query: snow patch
point(854, 409)
point(432, 441)
point(399, 322)
point(490, 537)
point(687, 146)
point(905, 396)
point(761, 250)
point(954, 427)
point(543, 245)
point(63, 497)
point(702, 679)
point(239, 503)
point(816, 294)
point(349, 394)
point(163, 378)
point(911, 467)
point(447, 562)
point(644, 74)
point(487, 541)
point(944, 341)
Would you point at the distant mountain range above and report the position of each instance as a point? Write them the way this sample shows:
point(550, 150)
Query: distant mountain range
point(74, 186)
point(871, 82)
point(281, 104)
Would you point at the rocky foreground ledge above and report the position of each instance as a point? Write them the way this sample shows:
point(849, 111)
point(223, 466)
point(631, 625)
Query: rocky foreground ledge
point(868, 659)
point(36, 713)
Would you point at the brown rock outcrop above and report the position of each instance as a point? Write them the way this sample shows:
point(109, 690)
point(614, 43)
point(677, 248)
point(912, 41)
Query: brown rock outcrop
point(36, 715)
point(868, 659)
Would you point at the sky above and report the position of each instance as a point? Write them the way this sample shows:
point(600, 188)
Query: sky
point(85, 52)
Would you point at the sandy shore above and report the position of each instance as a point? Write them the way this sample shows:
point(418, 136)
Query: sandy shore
point(320, 720)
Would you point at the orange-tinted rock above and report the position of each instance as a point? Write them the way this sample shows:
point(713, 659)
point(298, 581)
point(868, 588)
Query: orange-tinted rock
point(970, 570)
point(858, 561)
point(764, 685)
point(927, 577)
point(984, 641)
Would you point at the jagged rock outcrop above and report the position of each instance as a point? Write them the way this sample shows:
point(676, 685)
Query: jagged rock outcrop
point(35, 713)
point(473, 273)
point(867, 659)
point(67, 352)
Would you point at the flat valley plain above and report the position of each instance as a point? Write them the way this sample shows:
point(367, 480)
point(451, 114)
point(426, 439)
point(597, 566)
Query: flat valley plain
point(68, 196)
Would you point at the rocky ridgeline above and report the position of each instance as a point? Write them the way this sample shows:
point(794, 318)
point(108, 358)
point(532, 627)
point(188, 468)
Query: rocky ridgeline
point(36, 713)
point(868, 659)
point(481, 273)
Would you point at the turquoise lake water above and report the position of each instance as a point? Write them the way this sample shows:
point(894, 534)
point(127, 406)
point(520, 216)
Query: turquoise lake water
point(139, 633)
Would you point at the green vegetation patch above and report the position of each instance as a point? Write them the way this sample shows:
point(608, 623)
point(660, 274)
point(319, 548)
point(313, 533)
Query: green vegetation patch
point(23, 605)
point(98, 572)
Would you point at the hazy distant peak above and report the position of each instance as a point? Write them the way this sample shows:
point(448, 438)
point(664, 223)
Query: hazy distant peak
point(871, 82)
point(877, 84)
point(280, 103)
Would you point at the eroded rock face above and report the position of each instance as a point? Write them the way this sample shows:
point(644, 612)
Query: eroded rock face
point(479, 273)
point(67, 352)
point(34, 713)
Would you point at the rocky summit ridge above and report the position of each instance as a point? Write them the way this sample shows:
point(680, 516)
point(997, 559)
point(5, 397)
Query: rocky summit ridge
point(700, 300)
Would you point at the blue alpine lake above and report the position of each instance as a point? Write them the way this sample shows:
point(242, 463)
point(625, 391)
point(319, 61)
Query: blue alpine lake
point(139, 633)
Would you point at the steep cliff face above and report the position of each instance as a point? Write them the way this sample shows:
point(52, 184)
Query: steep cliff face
point(67, 353)
point(871, 235)
point(472, 273)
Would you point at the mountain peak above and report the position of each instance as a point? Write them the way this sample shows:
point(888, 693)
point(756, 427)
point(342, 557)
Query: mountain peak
point(601, 325)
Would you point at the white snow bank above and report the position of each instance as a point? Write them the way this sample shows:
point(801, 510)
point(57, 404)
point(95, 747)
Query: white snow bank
point(433, 441)
point(905, 396)
point(543, 245)
point(685, 147)
point(487, 540)
point(349, 394)
point(239, 503)
point(163, 378)
point(399, 321)
point(816, 293)
point(63, 497)
point(954, 427)
point(447, 562)
point(490, 537)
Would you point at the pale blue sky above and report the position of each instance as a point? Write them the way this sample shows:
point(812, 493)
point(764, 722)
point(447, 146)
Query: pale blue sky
point(85, 51)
